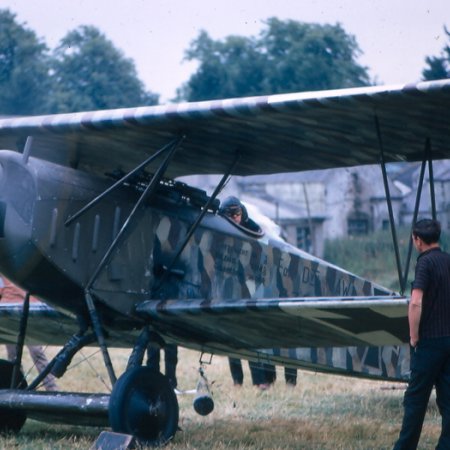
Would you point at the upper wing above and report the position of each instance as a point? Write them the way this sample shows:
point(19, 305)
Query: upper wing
point(279, 133)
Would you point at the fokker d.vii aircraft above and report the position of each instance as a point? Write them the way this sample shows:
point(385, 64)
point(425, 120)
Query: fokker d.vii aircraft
point(93, 223)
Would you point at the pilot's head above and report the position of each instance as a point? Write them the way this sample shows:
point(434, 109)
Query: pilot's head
point(232, 208)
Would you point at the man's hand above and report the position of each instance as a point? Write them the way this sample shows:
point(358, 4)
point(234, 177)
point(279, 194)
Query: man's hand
point(414, 314)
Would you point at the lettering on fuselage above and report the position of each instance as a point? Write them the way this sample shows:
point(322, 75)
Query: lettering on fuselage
point(262, 273)
point(345, 287)
point(228, 261)
point(310, 276)
point(280, 273)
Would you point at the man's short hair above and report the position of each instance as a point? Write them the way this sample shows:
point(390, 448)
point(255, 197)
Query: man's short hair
point(429, 230)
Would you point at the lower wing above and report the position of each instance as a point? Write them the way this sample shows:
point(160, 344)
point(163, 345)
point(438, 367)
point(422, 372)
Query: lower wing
point(290, 322)
point(236, 324)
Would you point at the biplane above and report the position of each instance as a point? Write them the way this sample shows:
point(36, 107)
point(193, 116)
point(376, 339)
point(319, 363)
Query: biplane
point(95, 224)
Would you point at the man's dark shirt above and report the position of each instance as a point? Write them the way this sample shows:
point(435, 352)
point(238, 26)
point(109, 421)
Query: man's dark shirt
point(433, 277)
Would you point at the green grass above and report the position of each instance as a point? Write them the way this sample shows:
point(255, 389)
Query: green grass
point(321, 412)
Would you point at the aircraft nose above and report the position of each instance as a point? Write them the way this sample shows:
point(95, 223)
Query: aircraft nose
point(17, 198)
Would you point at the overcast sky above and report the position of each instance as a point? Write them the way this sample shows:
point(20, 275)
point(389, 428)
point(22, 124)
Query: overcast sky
point(395, 35)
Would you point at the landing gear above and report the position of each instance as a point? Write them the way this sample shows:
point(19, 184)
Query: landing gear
point(143, 404)
point(11, 420)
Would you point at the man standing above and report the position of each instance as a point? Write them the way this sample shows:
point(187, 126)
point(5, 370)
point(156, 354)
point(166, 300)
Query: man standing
point(429, 328)
point(170, 361)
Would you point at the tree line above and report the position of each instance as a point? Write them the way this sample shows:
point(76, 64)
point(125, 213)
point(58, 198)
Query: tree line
point(87, 72)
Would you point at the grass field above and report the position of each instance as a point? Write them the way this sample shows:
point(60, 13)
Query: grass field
point(321, 412)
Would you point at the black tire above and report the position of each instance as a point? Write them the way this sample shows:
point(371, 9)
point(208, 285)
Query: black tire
point(11, 420)
point(143, 404)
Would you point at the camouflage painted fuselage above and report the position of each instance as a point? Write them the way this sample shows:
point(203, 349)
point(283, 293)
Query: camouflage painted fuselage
point(220, 263)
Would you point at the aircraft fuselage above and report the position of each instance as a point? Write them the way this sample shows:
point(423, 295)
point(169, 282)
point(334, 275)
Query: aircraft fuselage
point(55, 261)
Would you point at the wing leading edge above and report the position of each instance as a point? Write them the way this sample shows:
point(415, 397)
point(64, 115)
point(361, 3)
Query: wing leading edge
point(278, 133)
point(45, 324)
point(48, 326)
point(234, 324)
point(284, 323)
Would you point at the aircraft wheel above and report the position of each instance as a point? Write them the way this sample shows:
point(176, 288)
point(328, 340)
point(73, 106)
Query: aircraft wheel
point(11, 421)
point(143, 404)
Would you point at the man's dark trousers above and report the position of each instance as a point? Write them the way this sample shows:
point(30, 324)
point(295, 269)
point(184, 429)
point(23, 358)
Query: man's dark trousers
point(430, 366)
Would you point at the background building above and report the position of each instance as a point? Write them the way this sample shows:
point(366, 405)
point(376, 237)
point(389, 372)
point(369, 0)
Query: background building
point(316, 205)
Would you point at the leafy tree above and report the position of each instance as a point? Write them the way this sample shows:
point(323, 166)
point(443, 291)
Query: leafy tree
point(303, 56)
point(24, 68)
point(287, 56)
point(438, 66)
point(228, 68)
point(90, 73)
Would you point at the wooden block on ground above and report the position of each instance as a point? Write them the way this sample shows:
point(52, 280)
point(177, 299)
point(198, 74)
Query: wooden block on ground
point(108, 440)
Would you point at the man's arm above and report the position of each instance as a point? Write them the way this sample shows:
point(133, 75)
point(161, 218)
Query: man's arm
point(414, 314)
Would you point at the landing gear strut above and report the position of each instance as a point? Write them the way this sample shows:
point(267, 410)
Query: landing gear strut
point(144, 405)
point(11, 420)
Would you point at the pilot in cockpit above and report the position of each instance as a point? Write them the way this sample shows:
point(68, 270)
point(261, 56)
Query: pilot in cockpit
point(233, 208)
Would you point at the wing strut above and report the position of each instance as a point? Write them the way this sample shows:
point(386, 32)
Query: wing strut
point(152, 185)
point(171, 145)
point(431, 176)
point(195, 225)
point(389, 205)
point(416, 209)
point(427, 158)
